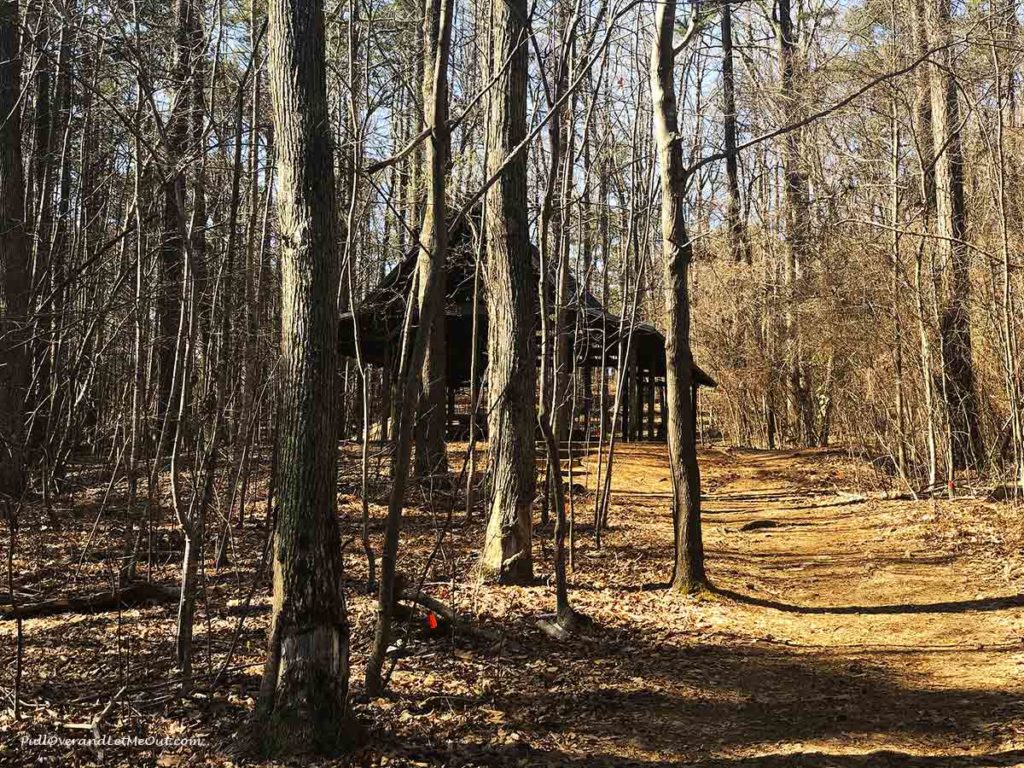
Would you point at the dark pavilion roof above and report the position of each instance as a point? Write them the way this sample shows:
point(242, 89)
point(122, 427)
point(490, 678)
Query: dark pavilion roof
point(382, 312)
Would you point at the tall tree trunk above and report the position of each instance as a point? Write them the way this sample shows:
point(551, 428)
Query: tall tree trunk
point(431, 456)
point(40, 213)
point(677, 253)
point(432, 418)
point(922, 123)
point(896, 287)
point(923, 110)
point(739, 245)
point(953, 251)
point(797, 225)
point(512, 362)
point(41, 158)
point(14, 274)
point(561, 413)
point(551, 239)
point(604, 235)
point(173, 246)
point(305, 682)
point(432, 254)
point(587, 263)
point(1007, 331)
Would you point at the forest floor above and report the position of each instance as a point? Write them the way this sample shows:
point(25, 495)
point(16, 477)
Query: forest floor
point(845, 629)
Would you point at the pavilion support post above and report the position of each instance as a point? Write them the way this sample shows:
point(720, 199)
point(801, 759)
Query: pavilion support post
point(641, 402)
point(394, 405)
point(385, 396)
point(587, 390)
point(352, 414)
point(636, 421)
point(385, 412)
point(663, 426)
point(649, 391)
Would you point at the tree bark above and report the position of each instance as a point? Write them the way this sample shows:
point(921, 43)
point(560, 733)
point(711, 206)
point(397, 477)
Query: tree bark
point(677, 253)
point(739, 245)
point(796, 213)
point(953, 251)
point(512, 363)
point(14, 274)
point(431, 459)
point(173, 246)
point(922, 119)
point(305, 684)
point(431, 455)
point(432, 255)
point(922, 123)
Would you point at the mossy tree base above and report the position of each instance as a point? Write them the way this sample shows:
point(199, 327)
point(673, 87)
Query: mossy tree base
point(691, 587)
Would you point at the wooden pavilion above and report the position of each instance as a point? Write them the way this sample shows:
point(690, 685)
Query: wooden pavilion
point(596, 337)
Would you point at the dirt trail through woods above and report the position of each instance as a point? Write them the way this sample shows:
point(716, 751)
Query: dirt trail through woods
point(848, 630)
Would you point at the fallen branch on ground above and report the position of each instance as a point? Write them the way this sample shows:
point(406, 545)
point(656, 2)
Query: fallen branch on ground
point(462, 624)
point(131, 595)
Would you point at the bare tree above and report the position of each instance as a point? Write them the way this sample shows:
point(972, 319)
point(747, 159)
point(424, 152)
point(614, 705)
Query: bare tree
point(433, 251)
point(187, 37)
point(953, 250)
point(512, 364)
point(14, 268)
point(796, 215)
point(676, 253)
point(431, 460)
point(739, 244)
point(303, 701)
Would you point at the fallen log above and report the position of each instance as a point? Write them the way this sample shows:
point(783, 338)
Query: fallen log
point(129, 596)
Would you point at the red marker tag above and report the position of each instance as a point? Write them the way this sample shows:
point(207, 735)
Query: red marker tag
point(431, 620)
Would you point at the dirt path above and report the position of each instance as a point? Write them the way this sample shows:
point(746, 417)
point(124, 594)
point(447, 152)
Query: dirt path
point(847, 630)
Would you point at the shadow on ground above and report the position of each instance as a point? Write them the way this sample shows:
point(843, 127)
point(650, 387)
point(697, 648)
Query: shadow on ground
point(952, 606)
point(877, 759)
point(664, 704)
